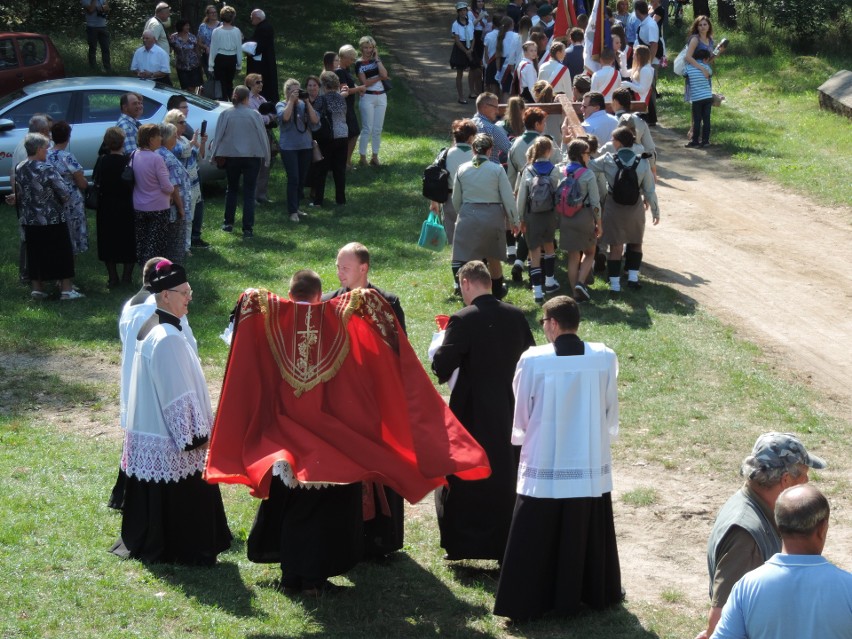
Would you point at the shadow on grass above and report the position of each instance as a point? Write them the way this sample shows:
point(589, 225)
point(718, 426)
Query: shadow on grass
point(219, 587)
point(398, 599)
point(636, 309)
point(589, 624)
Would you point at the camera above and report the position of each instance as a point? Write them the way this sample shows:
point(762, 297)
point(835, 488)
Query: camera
point(303, 95)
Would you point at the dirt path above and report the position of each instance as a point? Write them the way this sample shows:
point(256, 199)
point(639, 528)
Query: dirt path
point(731, 242)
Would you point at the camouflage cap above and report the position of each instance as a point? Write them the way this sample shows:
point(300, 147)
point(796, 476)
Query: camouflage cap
point(776, 450)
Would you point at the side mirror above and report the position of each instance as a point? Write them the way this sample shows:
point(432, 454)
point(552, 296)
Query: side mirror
point(6, 125)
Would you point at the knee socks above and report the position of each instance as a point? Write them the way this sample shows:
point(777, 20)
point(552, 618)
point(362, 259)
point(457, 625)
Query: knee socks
point(535, 279)
point(632, 262)
point(455, 266)
point(613, 268)
point(511, 249)
point(497, 289)
point(548, 264)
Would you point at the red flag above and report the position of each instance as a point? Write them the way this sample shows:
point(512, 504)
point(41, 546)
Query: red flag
point(565, 18)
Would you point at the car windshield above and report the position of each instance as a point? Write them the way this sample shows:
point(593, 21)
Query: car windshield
point(15, 95)
point(197, 100)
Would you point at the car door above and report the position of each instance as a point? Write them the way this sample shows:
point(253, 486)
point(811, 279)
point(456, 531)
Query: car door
point(94, 111)
point(58, 105)
point(32, 53)
point(11, 74)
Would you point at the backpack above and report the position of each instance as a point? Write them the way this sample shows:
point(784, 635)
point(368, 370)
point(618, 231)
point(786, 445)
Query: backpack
point(568, 197)
point(436, 179)
point(625, 188)
point(541, 196)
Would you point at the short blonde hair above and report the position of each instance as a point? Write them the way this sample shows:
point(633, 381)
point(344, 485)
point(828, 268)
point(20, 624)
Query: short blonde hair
point(251, 78)
point(347, 51)
point(366, 40)
point(174, 116)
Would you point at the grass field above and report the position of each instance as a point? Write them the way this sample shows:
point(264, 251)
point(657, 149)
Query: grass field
point(692, 395)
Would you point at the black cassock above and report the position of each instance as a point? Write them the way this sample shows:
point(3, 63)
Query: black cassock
point(265, 38)
point(485, 341)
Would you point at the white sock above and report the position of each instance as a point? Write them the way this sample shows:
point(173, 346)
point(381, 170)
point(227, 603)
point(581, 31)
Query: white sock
point(550, 280)
point(537, 292)
point(614, 284)
point(511, 251)
point(518, 263)
point(632, 276)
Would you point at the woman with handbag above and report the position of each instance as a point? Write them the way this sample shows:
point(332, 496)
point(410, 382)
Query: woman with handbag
point(115, 226)
point(332, 137)
point(296, 119)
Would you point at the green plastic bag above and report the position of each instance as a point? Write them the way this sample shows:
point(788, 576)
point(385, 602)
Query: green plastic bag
point(432, 233)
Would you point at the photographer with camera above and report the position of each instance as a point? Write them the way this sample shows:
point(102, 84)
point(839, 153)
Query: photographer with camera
point(296, 118)
point(96, 30)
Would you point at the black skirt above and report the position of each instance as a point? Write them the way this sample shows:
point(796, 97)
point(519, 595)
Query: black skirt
point(458, 59)
point(49, 252)
point(561, 554)
point(383, 534)
point(179, 522)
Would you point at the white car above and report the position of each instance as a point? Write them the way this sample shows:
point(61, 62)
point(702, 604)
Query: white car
point(90, 106)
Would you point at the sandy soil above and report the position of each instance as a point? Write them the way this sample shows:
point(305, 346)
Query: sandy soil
point(733, 243)
point(727, 240)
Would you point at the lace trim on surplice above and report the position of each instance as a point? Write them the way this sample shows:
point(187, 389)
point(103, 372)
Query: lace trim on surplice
point(156, 458)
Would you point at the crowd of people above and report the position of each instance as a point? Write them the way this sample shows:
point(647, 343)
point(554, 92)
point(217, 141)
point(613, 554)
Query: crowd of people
point(520, 460)
point(526, 64)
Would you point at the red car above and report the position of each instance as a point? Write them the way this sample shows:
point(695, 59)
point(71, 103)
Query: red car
point(26, 58)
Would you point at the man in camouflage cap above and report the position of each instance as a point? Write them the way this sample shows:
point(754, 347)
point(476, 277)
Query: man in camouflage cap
point(745, 535)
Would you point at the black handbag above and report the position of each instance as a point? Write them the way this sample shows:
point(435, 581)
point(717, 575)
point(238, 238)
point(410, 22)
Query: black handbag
point(127, 174)
point(90, 197)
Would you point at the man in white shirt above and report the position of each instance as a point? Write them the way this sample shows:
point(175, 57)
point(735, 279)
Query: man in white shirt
point(150, 62)
point(596, 121)
point(562, 550)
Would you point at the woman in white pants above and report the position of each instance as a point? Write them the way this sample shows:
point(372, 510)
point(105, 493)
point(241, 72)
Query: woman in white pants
point(374, 102)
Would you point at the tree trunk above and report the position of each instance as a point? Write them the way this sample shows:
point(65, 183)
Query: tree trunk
point(701, 8)
point(727, 13)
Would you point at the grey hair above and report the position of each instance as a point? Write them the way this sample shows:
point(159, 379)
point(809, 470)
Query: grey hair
point(800, 509)
point(260, 13)
point(347, 51)
point(167, 130)
point(329, 81)
point(35, 141)
point(482, 143)
point(38, 123)
point(766, 477)
point(241, 94)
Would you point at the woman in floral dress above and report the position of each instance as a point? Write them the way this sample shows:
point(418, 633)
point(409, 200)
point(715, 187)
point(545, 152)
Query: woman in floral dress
point(71, 172)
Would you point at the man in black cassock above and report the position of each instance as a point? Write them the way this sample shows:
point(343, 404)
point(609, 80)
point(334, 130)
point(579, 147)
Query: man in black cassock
point(484, 341)
point(265, 66)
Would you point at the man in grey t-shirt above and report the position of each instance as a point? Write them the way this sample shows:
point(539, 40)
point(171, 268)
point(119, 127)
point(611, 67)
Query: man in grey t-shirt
point(96, 30)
